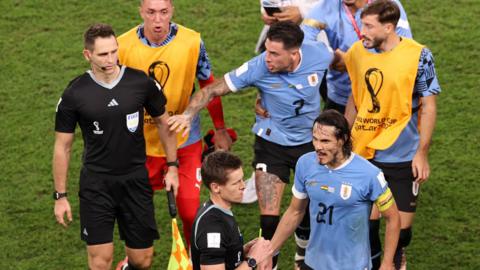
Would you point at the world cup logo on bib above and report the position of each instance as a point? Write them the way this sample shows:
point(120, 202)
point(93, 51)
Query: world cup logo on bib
point(374, 81)
point(132, 121)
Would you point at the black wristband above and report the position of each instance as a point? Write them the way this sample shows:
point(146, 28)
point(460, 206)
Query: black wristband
point(59, 195)
point(172, 163)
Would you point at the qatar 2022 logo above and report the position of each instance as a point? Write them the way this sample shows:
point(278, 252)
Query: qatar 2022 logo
point(374, 81)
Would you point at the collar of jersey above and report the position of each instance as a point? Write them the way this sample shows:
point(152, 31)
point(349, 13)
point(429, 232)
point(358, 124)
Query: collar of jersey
point(171, 34)
point(299, 63)
point(108, 85)
point(344, 164)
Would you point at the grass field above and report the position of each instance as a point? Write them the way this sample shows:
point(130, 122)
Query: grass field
point(41, 44)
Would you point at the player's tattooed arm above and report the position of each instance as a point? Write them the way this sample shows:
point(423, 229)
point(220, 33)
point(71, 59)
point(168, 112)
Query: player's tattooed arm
point(199, 100)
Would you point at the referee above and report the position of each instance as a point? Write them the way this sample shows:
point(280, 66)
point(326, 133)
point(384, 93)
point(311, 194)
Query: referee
point(108, 103)
point(217, 242)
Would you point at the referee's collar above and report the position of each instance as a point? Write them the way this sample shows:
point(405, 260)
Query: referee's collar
point(212, 205)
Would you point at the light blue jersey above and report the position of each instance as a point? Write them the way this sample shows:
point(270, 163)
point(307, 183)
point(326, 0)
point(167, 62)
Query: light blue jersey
point(341, 35)
point(426, 84)
point(291, 98)
point(340, 204)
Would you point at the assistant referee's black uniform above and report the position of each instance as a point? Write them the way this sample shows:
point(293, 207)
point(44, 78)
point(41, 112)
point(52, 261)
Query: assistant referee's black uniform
point(114, 181)
point(216, 238)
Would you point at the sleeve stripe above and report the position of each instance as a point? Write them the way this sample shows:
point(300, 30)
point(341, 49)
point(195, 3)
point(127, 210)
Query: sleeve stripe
point(298, 194)
point(229, 82)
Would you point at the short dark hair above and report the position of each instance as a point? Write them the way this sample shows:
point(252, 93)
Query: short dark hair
point(342, 131)
point(95, 31)
point(286, 32)
point(216, 167)
point(387, 11)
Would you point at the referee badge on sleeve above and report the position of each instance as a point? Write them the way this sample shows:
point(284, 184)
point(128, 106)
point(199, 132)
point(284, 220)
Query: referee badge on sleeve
point(132, 121)
point(213, 240)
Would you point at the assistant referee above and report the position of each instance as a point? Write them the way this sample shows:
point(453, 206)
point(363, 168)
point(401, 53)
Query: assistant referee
point(108, 104)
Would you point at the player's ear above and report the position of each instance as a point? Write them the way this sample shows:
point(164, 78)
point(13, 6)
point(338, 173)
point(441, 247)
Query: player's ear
point(215, 187)
point(86, 54)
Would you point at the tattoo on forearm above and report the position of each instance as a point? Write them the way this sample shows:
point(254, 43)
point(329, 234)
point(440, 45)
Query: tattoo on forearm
point(203, 97)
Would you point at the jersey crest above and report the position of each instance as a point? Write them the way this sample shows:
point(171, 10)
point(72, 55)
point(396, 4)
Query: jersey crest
point(313, 79)
point(345, 191)
point(132, 121)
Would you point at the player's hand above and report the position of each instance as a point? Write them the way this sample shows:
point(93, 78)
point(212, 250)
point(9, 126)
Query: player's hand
point(290, 13)
point(267, 264)
point(259, 110)
point(420, 167)
point(387, 266)
point(261, 250)
point(222, 140)
point(180, 122)
point(268, 20)
point(62, 207)
point(338, 63)
point(171, 180)
point(249, 245)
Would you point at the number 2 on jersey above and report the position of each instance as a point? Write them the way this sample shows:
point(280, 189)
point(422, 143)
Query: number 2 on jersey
point(299, 104)
point(323, 211)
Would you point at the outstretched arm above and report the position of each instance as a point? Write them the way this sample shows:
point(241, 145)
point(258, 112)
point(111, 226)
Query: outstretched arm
point(199, 100)
point(215, 109)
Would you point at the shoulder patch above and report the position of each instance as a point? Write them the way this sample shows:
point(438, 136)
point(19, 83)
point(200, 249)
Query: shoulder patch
point(213, 240)
point(381, 179)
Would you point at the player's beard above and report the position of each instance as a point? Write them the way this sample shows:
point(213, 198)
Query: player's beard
point(373, 43)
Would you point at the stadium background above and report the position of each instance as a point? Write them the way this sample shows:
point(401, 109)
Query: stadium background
point(41, 44)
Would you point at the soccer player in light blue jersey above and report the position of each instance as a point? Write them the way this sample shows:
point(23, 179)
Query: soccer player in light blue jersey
point(339, 187)
point(288, 76)
point(340, 19)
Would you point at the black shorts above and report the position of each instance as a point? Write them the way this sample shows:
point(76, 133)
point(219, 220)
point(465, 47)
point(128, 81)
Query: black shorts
point(402, 184)
point(125, 198)
point(278, 159)
point(332, 105)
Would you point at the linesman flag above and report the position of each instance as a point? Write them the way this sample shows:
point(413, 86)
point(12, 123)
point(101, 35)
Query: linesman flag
point(179, 259)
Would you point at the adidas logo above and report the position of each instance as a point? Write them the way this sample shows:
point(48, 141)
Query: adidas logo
point(112, 103)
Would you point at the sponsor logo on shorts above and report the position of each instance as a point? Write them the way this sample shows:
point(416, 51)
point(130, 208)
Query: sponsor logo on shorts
point(261, 166)
point(85, 231)
point(415, 188)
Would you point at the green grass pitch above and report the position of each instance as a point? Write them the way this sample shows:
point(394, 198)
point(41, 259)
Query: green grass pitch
point(41, 45)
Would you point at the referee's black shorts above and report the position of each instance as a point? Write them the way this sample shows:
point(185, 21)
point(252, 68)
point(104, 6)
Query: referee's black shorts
point(278, 159)
point(126, 198)
point(402, 184)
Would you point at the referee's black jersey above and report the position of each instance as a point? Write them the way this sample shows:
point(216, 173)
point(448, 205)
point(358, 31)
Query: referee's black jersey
point(111, 118)
point(216, 238)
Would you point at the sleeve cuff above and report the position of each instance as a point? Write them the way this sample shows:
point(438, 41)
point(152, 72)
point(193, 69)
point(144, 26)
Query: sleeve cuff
point(299, 195)
point(229, 82)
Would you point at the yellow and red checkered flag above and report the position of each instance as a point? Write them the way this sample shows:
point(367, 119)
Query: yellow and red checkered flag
point(179, 259)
